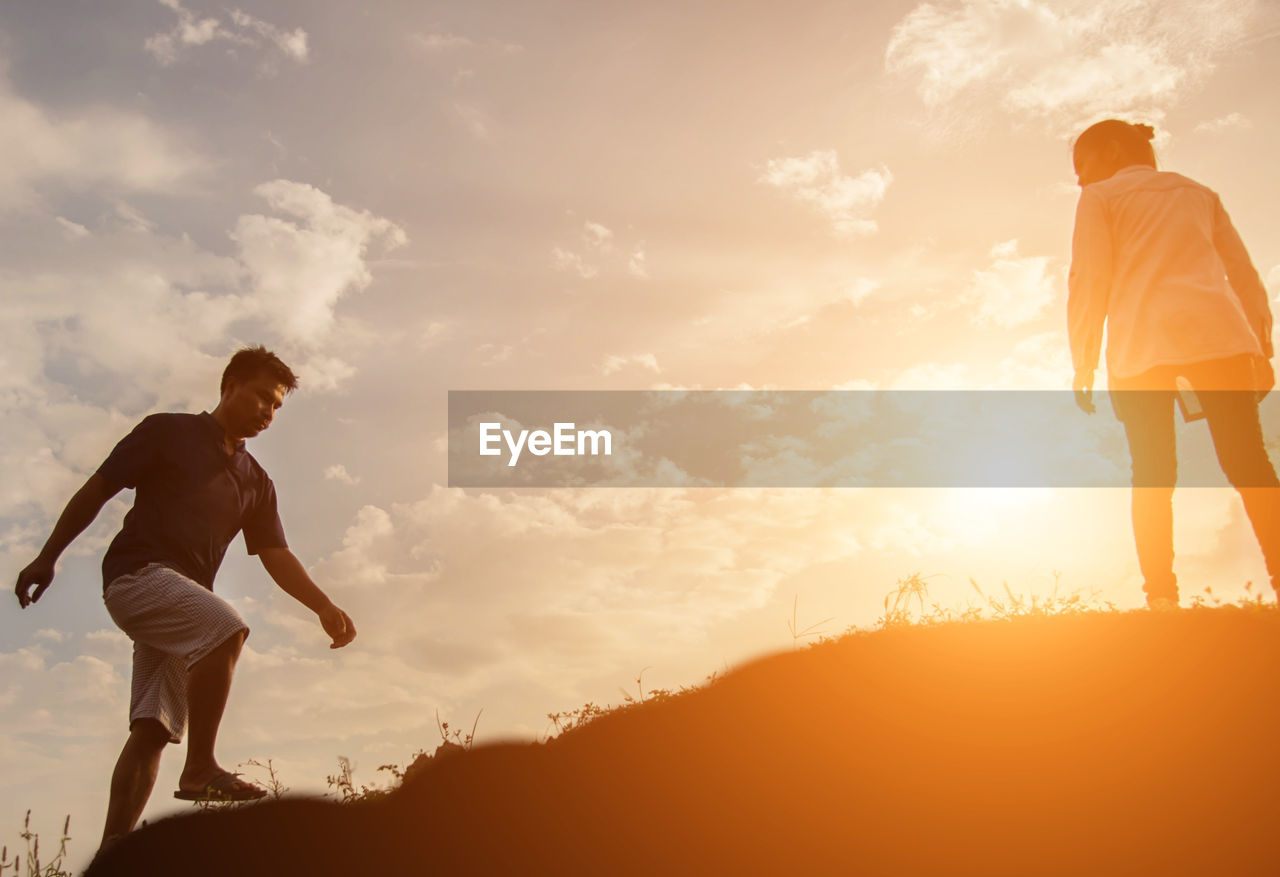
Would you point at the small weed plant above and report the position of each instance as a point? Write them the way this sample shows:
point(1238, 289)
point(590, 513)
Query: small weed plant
point(909, 604)
point(29, 865)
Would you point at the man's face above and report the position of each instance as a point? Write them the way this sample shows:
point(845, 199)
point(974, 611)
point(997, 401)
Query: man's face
point(251, 405)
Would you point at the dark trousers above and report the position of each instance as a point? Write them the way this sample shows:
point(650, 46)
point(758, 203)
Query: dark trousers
point(1146, 406)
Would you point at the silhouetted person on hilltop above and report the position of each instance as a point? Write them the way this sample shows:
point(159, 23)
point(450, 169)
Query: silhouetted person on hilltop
point(197, 487)
point(1156, 258)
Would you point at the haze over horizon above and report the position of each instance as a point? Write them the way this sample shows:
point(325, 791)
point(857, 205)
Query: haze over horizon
point(409, 198)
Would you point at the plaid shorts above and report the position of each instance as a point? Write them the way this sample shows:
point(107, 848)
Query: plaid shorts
point(173, 622)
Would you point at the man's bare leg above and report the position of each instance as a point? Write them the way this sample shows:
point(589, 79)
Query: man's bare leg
point(134, 777)
point(208, 684)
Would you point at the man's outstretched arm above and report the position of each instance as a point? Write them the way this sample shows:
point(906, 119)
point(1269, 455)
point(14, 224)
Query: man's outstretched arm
point(79, 514)
point(288, 572)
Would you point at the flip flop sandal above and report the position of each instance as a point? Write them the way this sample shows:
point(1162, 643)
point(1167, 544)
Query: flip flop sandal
point(226, 786)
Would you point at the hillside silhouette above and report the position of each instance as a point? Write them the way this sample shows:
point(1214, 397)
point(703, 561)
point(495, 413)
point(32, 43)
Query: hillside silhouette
point(1098, 743)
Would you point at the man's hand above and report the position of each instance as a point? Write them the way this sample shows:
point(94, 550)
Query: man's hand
point(39, 573)
point(289, 573)
point(1082, 385)
point(79, 513)
point(338, 625)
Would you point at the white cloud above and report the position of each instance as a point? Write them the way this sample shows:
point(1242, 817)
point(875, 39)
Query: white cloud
point(614, 363)
point(495, 354)
point(323, 372)
point(815, 179)
point(438, 42)
point(72, 230)
point(1062, 61)
point(858, 291)
point(338, 472)
point(82, 373)
point(434, 332)
point(638, 264)
point(243, 29)
point(100, 148)
point(598, 252)
point(597, 236)
point(475, 120)
point(1038, 362)
point(596, 568)
point(933, 376)
point(1230, 120)
point(189, 31)
point(300, 266)
point(564, 260)
point(447, 42)
point(292, 43)
point(132, 219)
point(1013, 290)
point(1116, 77)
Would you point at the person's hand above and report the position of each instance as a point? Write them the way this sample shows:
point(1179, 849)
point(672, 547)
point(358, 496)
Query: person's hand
point(39, 573)
point(1082, 385)
point(338, 625)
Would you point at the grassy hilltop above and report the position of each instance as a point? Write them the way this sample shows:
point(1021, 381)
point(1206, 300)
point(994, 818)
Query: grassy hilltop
point(1095, 742)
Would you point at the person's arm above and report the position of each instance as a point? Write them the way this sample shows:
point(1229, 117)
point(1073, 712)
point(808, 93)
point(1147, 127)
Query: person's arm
point(1088, 293)
point(288, 572)
point(79, 514)
point(1243, 277)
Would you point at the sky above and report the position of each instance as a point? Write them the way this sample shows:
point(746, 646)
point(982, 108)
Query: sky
point(407, 198)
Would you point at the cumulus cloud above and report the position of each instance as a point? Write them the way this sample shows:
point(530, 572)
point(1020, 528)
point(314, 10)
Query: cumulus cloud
point(495, 354)
point(1230, 120)
point(291, 43)
point(189, 31)
point(338, 472)
point(72, 230)
point(95, 147)
point(858, 291)
point(439, 42)
point(132, 218)
point(1038, 362)
point(1013, 290)
point(1064, 62)
point(566, 260)
point(598, 236)
point(614, 363)
point(638, 264)
point(933, 376)
point(81, 373)
point(596, 250)
point(445, 42)
point(302, 264)
point(816, 179)
point(242, 29)
point(473, 119)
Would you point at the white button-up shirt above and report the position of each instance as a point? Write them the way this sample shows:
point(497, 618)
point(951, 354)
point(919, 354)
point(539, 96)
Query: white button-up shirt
point(1156, 257)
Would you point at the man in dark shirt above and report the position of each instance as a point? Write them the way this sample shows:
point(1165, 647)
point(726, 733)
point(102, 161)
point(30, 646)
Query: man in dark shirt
point(197, 487)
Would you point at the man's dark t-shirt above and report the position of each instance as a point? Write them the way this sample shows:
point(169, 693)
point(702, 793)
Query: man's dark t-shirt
point(192, 498)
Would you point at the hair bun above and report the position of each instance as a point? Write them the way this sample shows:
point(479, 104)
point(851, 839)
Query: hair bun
point(1146, 131)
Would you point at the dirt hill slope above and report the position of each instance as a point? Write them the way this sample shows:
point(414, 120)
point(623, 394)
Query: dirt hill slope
point(1110, 743)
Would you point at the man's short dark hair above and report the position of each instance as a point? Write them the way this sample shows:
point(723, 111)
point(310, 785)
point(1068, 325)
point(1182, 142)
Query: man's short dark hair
point(249, 362)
